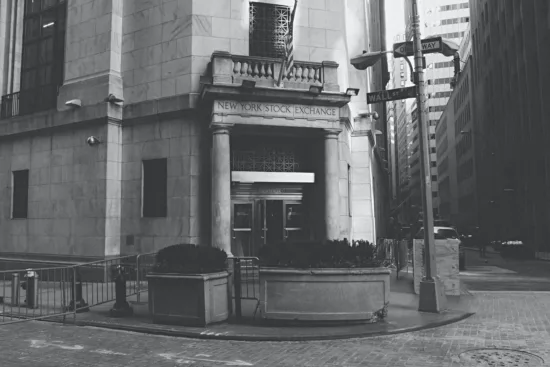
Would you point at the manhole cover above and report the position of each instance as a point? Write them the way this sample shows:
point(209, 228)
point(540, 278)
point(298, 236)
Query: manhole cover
point(500, 358)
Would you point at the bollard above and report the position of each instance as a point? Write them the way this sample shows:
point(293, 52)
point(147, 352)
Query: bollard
point(30, 285)
point(121, 307)
point(15, 284)
point(81, 305)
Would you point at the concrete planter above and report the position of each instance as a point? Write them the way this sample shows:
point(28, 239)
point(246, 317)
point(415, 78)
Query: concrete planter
point(188, 299)
point(324, 295)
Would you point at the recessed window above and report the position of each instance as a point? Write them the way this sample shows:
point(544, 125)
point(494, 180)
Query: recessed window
point(155, 188)
point(269, 25)
point(434, 177)
point(20, 194)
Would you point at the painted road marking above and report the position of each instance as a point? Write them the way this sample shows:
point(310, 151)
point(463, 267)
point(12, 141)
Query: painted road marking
point(179, 358)
point(60, 345)
point(109, 352)
point(475, 270)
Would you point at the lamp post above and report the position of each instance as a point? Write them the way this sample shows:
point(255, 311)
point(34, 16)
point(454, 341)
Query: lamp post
point(432, 294)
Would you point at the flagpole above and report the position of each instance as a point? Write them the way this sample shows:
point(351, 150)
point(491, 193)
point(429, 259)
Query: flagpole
point(283, 64)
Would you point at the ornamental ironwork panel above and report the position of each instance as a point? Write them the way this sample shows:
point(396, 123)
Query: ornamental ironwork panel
point(269, 25)
point(267, 159)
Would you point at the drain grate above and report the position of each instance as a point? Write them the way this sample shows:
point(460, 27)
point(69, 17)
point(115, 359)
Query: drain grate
point(500, 358)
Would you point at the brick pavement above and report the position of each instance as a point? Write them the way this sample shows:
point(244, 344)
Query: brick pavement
point(506, 320)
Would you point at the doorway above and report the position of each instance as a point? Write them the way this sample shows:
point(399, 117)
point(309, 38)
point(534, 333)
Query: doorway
point(262, 222)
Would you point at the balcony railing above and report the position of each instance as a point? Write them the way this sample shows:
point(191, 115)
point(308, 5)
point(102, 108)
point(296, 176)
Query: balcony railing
point(28, 101)
point(233, 69)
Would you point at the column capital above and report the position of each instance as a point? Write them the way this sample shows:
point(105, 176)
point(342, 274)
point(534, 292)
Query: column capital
point(218, 128)
point(331, 133)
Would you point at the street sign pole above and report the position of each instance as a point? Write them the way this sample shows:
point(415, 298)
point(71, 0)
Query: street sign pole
point(432, 296)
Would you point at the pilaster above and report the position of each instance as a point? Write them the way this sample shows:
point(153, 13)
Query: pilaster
point(93, 52)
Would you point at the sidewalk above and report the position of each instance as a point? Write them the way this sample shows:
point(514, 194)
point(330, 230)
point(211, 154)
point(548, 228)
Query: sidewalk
point(402, 317)
point(494, 273)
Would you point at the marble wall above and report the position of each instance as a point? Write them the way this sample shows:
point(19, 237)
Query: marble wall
point(67, 191)
point(446, 252)
point(182, 142)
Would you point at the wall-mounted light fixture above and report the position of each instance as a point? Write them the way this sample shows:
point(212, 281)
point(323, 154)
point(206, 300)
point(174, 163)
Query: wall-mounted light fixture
point(315, 89)
point(248, 84)
point(352, 92)
point(111, 98)
point(74, 103)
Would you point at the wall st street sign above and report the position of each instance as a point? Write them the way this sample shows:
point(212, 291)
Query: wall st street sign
point(391, 95)
point(429, 45)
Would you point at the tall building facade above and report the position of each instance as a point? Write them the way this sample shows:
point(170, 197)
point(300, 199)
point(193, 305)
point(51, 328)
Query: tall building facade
point(401, 123)
point(511, 83)
point(127, 125)
point(447, 19)
point(456, 147)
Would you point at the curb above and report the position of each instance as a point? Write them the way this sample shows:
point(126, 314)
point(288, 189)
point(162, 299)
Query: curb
point(254, 338)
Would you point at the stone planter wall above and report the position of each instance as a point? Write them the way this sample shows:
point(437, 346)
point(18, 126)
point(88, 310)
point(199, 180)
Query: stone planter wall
point(446, 252)
point(196, 300)
point(324, 295)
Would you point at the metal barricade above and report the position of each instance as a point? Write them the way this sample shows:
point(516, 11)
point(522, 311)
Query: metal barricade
point(144, 264)
point(246, 282)
point(35, 294)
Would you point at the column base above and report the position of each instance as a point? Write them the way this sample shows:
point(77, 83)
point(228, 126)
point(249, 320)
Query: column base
point(432, 296)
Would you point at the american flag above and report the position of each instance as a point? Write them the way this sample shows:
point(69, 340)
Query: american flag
point(289, 44)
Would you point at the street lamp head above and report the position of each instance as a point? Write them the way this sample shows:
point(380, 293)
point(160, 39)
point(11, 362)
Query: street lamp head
point(366, 59)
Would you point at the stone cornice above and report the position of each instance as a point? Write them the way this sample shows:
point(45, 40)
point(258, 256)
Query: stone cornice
point(275, 95)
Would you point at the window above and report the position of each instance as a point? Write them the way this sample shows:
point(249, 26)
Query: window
point(155, 188)
point(434, 177)
point(269, 25)
point(402, 83)
point(432, 150)
point(434, 194)
point(402, 66)
point(20, 194)
point(43, 54)
point(434, 164)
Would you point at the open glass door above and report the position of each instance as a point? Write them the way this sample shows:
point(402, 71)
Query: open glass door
point(242, 240)
point(294, 221)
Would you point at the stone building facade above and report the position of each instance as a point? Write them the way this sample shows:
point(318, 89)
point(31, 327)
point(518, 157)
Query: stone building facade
point(139, 124)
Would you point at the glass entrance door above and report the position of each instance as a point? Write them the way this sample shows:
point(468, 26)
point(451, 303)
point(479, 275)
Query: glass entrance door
point(242, 243)
point(262, 222)
point(294, 223)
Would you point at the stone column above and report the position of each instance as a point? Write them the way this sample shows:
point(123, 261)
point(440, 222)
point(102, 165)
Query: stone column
point(221, 188)
point(332, 191)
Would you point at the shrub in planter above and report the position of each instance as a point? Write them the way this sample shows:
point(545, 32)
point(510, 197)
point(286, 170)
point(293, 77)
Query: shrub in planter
point(330, 254)
point(190, 259)
point(334, 281)
point(188, 285)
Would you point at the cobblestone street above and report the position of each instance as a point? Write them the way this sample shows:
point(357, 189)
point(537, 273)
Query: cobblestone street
point(503, 320)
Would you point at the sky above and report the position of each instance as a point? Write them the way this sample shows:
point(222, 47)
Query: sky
point(395, 20)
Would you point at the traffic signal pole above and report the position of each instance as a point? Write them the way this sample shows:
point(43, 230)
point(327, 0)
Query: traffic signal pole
point(432, 295)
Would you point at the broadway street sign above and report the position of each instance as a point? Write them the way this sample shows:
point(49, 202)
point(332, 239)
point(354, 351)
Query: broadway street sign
point(429, 45)
point(391, 95)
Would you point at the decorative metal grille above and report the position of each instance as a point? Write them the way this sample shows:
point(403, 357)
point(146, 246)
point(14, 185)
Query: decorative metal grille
point(269, 25)
point(267, 159)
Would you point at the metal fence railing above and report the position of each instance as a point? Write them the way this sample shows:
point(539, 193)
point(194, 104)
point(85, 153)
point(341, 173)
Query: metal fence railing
point(246, 282)
point(49, 292)
point(393, 253)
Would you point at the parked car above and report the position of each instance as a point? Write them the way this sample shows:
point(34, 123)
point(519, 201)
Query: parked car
point(450, 233)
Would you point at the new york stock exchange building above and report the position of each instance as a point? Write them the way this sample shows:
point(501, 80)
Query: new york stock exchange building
point(137, 125)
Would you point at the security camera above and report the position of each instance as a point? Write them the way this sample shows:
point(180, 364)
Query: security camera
point(92, 140)
point(374, 114)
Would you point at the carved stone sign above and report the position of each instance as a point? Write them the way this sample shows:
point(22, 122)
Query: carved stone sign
point(284, 110)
